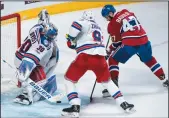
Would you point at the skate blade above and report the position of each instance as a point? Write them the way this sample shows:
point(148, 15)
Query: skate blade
point(106, 95)
point(165, 86)
point(70, 115)
point(130, 111)
point(21, 102)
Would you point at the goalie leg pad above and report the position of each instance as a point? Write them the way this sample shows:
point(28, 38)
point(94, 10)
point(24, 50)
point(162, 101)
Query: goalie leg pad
point(50, 86)
point(25, 70)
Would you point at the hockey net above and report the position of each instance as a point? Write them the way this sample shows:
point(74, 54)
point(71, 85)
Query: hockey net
point(10, 41)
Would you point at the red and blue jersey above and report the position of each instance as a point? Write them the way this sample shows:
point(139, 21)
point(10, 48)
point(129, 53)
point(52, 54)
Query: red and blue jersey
point(126, 28)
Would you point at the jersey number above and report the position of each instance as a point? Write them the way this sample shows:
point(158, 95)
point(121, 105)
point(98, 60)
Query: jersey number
point(131, 24)
point(40, 48)
point(97, 36)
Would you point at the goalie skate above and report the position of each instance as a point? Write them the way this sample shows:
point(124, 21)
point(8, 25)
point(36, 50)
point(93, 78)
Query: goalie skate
point(23, 99)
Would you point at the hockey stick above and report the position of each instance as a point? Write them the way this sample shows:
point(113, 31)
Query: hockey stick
point(138, 56)
point(39, 89)
point(45, 94)
point(8, 64)
point(91, 96)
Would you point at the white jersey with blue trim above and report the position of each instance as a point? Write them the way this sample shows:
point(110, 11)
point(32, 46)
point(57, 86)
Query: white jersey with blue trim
point(88, 37)
point(36, 48)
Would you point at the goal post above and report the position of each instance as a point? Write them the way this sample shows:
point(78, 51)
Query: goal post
point(10, 41)
point(18, 21)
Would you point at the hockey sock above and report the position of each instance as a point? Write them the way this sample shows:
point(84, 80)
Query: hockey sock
point(113, 68)
point(155, 68)
point(114, 91)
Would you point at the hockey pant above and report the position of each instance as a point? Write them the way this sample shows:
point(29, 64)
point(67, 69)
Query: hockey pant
point(123, 53)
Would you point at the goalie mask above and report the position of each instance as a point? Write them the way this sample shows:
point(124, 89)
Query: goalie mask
point(43, 17)
point(51, 32)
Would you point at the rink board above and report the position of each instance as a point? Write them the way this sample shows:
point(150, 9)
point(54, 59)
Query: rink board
point(65, 7)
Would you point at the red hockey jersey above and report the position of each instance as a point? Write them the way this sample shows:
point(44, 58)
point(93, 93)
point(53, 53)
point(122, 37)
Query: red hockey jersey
point(125, 28)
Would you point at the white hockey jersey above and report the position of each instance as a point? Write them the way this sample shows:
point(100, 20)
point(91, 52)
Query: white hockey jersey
point(88, 37)
point(35, 48)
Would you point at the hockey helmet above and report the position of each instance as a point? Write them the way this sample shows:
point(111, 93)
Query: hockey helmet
point(51, 32)
point(44, 17)
point(88, 15)
point(107, 9)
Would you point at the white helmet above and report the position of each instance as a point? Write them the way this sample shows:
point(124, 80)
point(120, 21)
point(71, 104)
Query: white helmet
point(43, 17)
point(88, 15)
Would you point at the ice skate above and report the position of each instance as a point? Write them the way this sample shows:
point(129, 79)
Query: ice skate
point(106, 93)
point(166, 83)
point(129, 108)
point(72, 111)
point(23, 99)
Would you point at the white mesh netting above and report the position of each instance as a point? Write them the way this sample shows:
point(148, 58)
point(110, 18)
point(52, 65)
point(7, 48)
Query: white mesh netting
point(8, 48)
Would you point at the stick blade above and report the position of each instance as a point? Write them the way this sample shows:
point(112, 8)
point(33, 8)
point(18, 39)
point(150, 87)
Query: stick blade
point(58, 97)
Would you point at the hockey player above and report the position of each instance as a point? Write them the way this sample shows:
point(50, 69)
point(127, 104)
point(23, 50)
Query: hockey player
point(36, 59)
point(129, 38)
point(85, 36)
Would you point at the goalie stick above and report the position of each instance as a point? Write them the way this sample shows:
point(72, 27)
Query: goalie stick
point(45, 94)
point(39, 89)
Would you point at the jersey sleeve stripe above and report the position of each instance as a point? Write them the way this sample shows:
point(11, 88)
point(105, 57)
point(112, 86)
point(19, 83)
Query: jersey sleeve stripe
point(19, 55)
point(32, 57)
point(88, 46)
point(125, 37)
point(77, 26)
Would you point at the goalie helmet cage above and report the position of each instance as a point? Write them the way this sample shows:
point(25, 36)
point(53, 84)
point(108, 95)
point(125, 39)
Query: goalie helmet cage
point(6, 19)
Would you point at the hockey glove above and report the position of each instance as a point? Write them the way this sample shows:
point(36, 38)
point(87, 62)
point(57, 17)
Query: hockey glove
point(108, 54)
point(71, 45)
point(71, 41)
point(116, 44)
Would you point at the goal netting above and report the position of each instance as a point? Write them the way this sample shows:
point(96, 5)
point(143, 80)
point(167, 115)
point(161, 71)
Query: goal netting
point(10, 41)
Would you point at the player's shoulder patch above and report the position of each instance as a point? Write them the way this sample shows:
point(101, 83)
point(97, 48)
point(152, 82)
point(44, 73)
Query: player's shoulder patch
point(77, 25)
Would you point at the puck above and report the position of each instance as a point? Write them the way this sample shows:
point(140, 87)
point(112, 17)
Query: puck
point(58, 101)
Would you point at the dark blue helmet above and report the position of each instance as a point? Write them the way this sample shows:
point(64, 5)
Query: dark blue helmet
point(52, 32)
point(107, 9)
